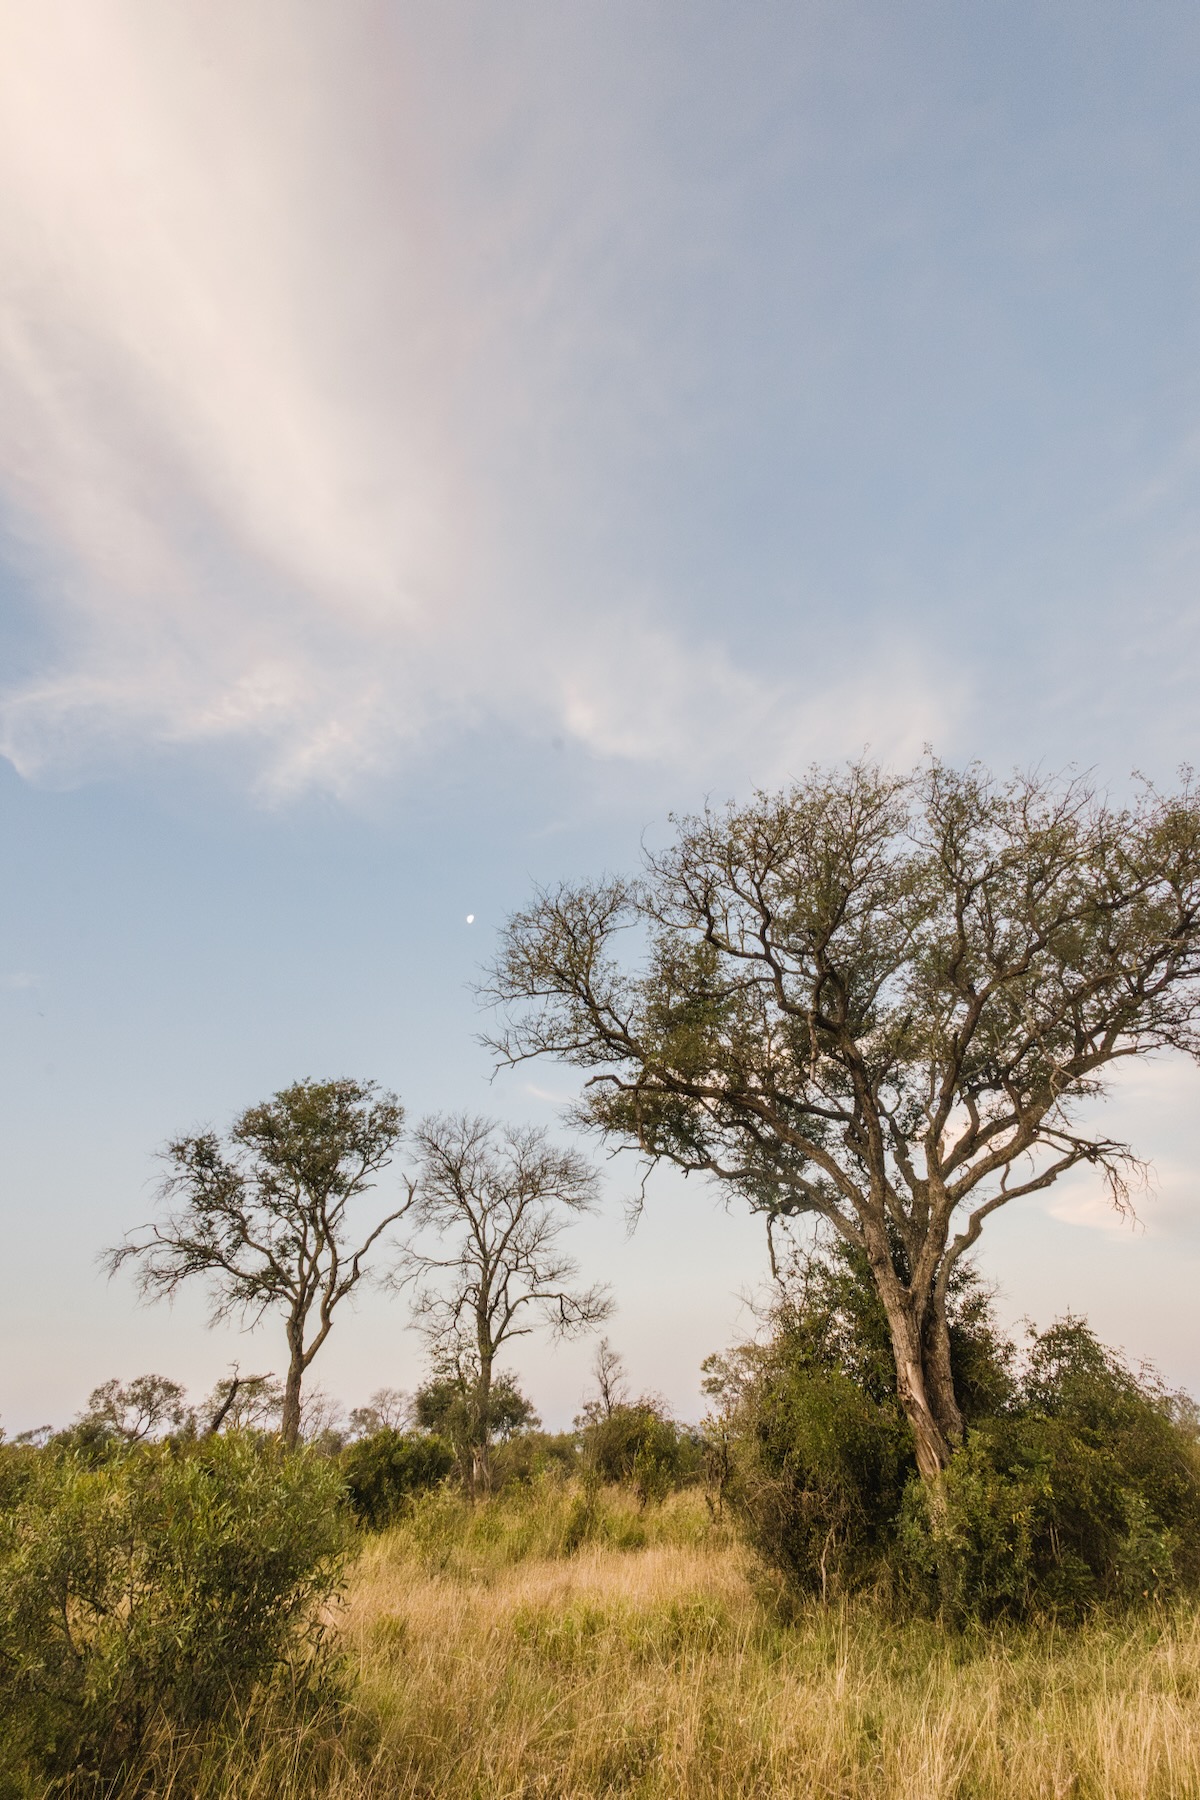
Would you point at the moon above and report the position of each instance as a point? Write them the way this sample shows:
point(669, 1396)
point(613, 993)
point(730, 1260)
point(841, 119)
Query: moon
point(470, 918)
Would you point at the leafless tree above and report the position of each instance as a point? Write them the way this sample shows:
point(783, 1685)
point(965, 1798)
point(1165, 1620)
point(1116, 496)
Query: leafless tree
point(612, 1388)
point(880, 1000)
point(264, 1220)
point(495, 1202)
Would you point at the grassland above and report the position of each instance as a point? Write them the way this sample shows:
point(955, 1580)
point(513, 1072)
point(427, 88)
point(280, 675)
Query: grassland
point(548, 1646)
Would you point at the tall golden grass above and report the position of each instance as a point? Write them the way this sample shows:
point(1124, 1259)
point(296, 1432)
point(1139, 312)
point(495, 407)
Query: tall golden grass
point(558, 1647)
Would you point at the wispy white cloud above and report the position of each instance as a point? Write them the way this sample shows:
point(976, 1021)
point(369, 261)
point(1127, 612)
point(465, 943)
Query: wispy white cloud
point(19, 981)
point(251, 389)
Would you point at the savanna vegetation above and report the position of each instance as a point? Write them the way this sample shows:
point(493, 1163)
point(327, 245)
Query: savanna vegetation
point(766, 1604)
point(902, 1554)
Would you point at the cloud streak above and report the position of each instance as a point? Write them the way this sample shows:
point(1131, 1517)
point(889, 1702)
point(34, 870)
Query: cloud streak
point(262, 335)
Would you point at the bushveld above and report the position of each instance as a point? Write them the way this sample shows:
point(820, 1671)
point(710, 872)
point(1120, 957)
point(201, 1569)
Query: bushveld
point(556, 1641)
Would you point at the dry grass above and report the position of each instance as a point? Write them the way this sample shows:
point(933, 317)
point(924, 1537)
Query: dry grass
point(491, 1664)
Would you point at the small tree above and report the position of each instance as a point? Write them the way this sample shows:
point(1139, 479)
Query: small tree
point(612, 1387)
point(496, 1201)
point(264, 1220)
point(134, 1411)
point(879, 1000)
point(388, 1409)
point(240, 1402)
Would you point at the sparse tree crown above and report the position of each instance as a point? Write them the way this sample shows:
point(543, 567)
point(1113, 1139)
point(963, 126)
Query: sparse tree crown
point(264, 1220)
point(494, 1202)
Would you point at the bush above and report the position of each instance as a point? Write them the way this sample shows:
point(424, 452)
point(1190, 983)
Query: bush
point(638, 1443)
point(1086, 1495)
point(818, 1473)
point(533, 1456)
point(448, 1405)
point(1078, 1484)
point(383, 1471)
point(154, 1590)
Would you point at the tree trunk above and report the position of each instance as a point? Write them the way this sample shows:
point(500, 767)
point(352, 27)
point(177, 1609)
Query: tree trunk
point(939, 1374)
point(289, 1425)
point(908, 1349)
point(481, 1466)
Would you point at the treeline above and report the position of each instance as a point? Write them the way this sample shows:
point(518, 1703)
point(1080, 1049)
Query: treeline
point(268, 1219)
point(401, 1444)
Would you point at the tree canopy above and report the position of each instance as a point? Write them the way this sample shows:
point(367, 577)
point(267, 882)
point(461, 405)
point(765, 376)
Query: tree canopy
point(264, 1220)
point(494, 1202)
point(882, 1000)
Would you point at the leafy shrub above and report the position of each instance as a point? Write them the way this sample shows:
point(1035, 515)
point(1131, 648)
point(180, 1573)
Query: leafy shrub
point(384, 1470)
point(818, 1473)
point(1086, 1494)
point(152, 1590)
point(449, 1406)
point(1078, 1484)
point(812, 1448)
point(639, 1444)
point(532, 1456)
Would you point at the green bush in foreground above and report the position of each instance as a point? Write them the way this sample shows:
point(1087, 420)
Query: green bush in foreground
point(153, 1592)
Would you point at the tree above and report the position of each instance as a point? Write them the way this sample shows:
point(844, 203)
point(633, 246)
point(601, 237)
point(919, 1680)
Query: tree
point(264, 1220)
point(496, 1201)
point(131, 1412)
point(612, 1388)
point(449, 1407)
point(883, 1001)
point(387, 1410)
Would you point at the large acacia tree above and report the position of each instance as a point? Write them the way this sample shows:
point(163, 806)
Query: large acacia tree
point(882, 1000)
point(265, 1220)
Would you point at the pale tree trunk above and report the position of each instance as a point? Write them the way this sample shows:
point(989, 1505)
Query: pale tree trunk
point(939, 1373)
point(481, 1465)
point(930, 1440)
point(289, 1424)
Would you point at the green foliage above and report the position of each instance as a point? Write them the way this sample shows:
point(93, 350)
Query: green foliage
point(382, 1472)
point(814, 1450)
point(532, 1456)
point(1078, 1485)
point(1087, 1494)
point(152, 1591)
point(818, 1471)
point(119, 1414)
point(450, 1405)
point(446, 1405)
point(638, 1443)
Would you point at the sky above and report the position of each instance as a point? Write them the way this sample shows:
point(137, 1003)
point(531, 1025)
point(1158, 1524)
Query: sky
point(438, 443)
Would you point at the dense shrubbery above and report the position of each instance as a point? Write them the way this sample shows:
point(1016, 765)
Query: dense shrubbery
point(151, 1591)
point(1078, 1484)
point(640, 1444)
point(382, 1472)
point(1086, 1492)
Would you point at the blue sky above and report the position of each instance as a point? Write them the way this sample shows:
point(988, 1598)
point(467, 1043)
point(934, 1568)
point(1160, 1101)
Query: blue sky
point(435, 443)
